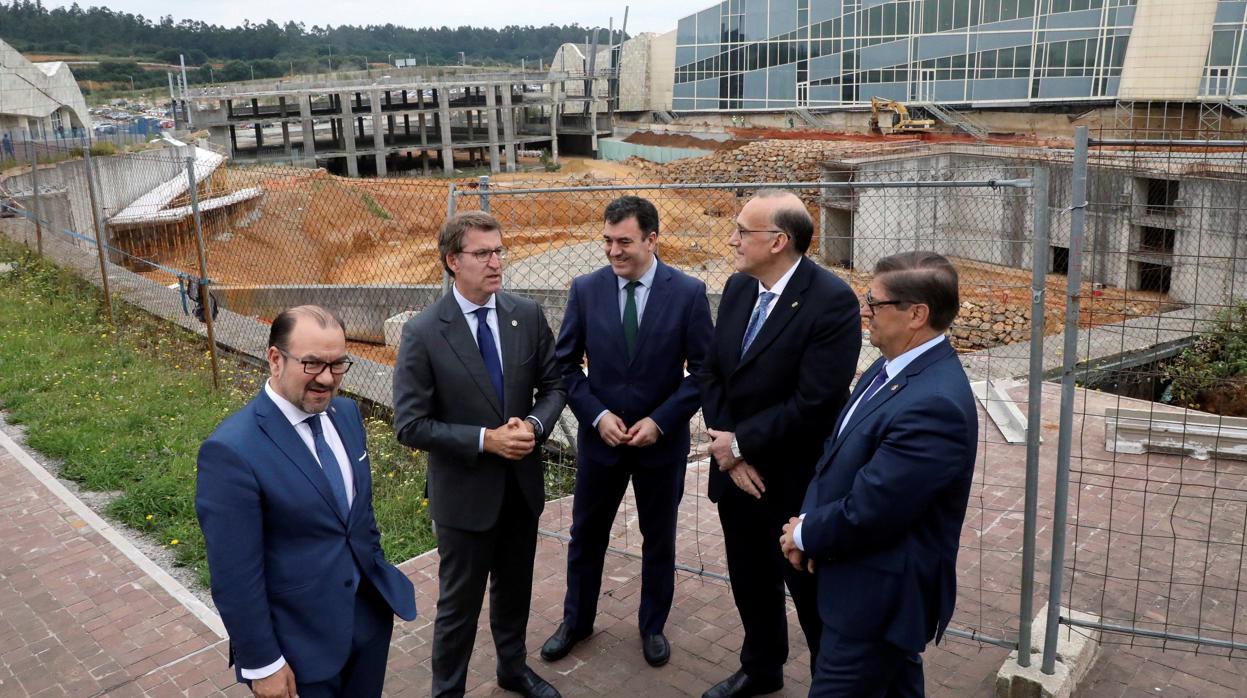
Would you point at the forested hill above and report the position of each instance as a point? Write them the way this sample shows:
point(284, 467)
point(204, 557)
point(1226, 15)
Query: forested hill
point(32, 28)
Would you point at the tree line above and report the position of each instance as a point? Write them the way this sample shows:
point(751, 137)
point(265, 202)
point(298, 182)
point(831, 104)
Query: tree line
point(269, 49)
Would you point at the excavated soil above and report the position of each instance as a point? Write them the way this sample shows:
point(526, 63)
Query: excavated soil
point(314, 228)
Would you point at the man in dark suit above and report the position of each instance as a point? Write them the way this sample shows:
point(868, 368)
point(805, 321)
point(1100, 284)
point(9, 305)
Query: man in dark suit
point(784, 351)
point(284, 498)
point(476, 385)
point(882, 519)
point(638, 322)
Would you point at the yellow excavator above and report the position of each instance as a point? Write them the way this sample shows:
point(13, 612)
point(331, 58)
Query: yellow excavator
point(900, 120)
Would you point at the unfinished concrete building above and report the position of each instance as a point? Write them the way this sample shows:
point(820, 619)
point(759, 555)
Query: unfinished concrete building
point(1159, 222)
point(402, 122)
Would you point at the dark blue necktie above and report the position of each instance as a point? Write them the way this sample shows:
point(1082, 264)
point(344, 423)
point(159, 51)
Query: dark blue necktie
point(880, 379)
point(329, 464)
point(756, 320)
point(489, 352)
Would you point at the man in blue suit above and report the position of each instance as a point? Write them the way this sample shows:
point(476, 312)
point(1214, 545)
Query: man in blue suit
point(881, 521)
point(284, 498)
point(639, 323)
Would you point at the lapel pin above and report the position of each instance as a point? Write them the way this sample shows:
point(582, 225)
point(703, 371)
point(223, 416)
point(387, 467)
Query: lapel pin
point(895, 388)
point(796, 303)
point(515, 323)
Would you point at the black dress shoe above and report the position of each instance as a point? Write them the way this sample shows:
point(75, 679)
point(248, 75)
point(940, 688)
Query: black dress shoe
point(529, 685)
point(656, 649)
point(740, 685)
point(562, 642)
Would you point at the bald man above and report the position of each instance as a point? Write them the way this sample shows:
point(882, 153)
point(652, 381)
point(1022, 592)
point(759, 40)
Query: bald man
point(777, 374)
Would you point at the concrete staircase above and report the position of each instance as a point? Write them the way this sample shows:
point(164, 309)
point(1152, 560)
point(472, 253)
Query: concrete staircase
point(808, 117)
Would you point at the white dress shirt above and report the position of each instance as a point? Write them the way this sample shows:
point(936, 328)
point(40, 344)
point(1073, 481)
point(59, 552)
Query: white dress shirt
point(893, 369)
point(297, 419)
point(777, 289)
point(491, 321)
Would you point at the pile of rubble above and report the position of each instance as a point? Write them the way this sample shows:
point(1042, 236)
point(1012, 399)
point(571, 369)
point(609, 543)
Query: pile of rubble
point(763, 161)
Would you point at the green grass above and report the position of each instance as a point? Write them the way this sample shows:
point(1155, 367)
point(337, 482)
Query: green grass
point(126, 409)
point(375, 208)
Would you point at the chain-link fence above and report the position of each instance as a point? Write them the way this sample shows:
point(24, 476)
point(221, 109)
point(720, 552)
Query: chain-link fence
point(1155, 536)
point(1156, 442)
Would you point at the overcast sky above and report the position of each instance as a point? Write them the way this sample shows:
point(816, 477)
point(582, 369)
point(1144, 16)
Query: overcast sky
point(643, 15)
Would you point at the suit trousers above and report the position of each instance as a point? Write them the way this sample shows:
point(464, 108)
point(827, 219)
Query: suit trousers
point(503, 556)
point(758, 572)
point(852, 668)
point(363, 675)
point(599, 490)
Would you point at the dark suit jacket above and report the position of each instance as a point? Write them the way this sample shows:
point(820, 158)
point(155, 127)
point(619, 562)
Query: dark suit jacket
point(443, 396)
point(780, 397)
point(675, 329)
point(883, 515)
point(281, 557)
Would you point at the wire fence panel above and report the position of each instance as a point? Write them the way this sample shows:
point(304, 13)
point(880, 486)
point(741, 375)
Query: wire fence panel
point(1158, 505)
point(1158, 508)
point(555, 235)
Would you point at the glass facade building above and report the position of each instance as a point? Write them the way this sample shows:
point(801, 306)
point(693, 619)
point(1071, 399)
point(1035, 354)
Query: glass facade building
point(785, 54)
point(1225, 73)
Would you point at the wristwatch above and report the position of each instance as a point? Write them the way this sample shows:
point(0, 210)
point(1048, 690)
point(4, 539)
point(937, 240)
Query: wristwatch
point(537, 430)
point(736, 448)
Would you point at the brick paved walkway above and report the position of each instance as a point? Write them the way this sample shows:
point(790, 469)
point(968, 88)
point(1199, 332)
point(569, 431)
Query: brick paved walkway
point(78, 617)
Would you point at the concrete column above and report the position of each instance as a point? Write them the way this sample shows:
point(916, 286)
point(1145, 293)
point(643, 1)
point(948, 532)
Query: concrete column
point(491, 108)
point(443, 111)
point(424, 133)
point(233, 140)
point(285, 139)
point(508, 126)
point(556, 101)
point(255, 108)
point(259, 136)
point(378, 133)
point(309, 128)
point(348, 135)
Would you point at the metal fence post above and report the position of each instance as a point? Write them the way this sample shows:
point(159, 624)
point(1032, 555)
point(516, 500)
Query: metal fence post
point(205, 299)
point(452, 204)
point(1039, 274)
point(34, 187)
point(484, 184)
point(1060, 505)
point(100, 246)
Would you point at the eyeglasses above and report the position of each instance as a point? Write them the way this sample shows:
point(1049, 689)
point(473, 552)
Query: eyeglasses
point(483, 256)
point(314, 367)
point(871, 303)
point(743, 231)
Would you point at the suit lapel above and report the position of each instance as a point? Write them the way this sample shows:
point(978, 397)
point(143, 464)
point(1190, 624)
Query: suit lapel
point(889, 390)
point(511, 333)
point(783, 310)
point(348, 439)
point(734, 310)
point(463, 344)
point(656, 306)
point(607, 302)
point(275, 425)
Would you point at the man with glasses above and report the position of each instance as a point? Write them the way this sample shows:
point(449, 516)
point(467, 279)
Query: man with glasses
point(778, 371)
point(881, 522)
point(284, 498)
point(477, 387)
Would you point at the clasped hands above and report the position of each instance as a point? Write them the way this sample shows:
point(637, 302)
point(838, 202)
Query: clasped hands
point(512, 440)
point(743, 475)
point(788, 546)
point(615, 432)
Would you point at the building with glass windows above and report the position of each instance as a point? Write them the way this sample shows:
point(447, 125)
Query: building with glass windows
point(790, 54)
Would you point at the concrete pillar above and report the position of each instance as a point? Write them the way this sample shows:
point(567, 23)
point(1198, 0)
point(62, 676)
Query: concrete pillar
point(233, 140)
point(508, 126)
point(255, 108)
point(378, 134)
point(424, 133)
point(309, 128)
point(556, 101)
point(443, 111)
point(348, 135)
point(259, 136)
point(491, 108)
point(285, 139)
